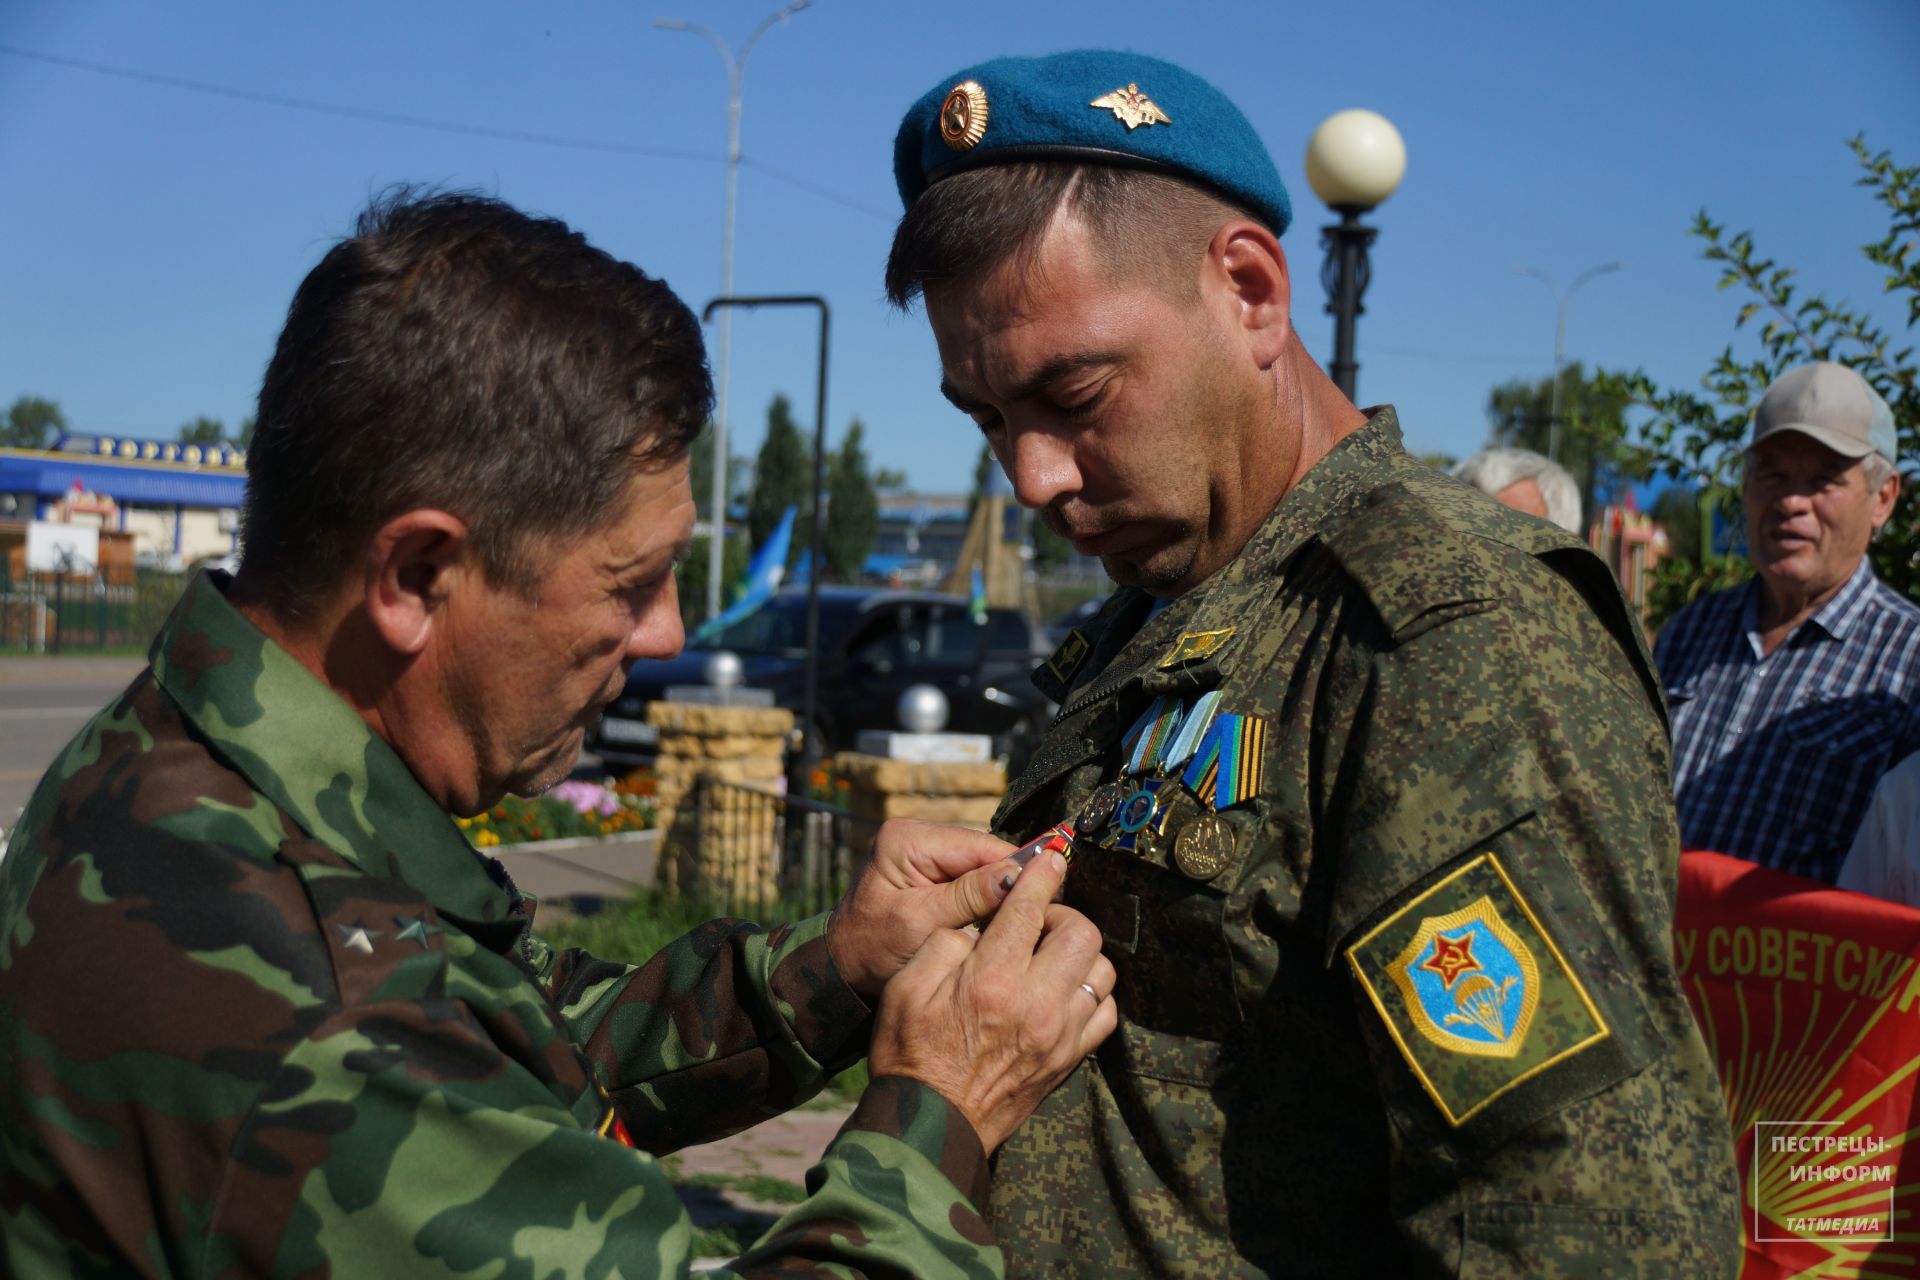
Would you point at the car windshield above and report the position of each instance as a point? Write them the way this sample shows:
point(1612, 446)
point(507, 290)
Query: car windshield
point(778, 627)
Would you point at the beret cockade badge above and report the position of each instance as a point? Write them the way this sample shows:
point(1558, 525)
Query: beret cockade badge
point(963, 116)
point(1130, 107)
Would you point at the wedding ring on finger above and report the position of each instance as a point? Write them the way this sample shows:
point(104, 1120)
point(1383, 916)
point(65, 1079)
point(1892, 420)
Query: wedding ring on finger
point(1088, 988)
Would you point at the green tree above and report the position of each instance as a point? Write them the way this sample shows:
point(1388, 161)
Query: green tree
point(1678, 510)
point(1698, 438)
point(203, 431)
point(853, 508)
point(889, 480)
point(782, 477)
point(1593, 430)
point(1050, 550)
point(690, 577)
point(32, 422)
point(700, 472)
point(983, 469)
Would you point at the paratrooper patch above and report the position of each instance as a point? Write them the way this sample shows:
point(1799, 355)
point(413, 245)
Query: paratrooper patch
point(1473, 990)
point(1055, 676)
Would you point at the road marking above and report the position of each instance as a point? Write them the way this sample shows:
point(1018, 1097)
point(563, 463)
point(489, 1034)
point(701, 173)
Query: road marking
point(46, 713)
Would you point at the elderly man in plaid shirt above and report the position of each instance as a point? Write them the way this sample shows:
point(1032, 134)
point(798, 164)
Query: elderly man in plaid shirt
point(1793, 694)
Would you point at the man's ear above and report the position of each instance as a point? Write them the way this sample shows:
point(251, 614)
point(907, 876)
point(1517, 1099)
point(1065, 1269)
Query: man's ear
point(414, 562)
point(1253, 267)
point(1883, 500)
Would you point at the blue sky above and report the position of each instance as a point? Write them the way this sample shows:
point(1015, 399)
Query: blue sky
point(151, 235)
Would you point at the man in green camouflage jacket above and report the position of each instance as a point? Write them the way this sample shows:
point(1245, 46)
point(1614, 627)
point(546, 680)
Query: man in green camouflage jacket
point(1369, 775)
point(263, 1011)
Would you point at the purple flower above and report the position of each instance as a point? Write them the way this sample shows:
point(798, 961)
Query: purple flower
point(587, 797)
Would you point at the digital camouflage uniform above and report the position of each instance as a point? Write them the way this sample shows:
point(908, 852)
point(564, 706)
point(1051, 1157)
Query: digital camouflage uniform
point(1464, 776)
point(263, 1011)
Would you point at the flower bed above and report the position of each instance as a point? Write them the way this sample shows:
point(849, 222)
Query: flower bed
point(574, 809)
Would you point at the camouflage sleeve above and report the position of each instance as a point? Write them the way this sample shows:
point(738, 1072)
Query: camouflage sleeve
point(896, 1194)
point(723, 1028)
point(1504, 908)
point(399, 1141)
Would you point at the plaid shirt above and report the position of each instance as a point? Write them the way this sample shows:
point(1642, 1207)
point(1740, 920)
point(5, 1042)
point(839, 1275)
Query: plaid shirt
point(1776, 755)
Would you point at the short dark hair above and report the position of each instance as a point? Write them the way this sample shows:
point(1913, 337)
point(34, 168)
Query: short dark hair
point(457, 353)
point(1145, 225)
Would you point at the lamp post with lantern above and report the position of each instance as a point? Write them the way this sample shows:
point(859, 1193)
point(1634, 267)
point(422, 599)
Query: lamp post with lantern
point(1355, 159)
point(736, 68)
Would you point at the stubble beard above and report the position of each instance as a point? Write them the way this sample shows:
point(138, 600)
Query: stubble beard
point(1164, 572)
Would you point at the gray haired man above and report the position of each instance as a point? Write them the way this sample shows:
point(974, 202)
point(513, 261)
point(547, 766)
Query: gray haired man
point(1791, 695)
point(1525, 481)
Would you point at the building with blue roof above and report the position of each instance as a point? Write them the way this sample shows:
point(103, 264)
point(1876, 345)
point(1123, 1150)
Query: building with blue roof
point(180, 502)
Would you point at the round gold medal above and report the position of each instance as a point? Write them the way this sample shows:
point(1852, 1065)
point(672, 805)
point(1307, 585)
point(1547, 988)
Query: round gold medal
point(963, 116)
point(1204, 847)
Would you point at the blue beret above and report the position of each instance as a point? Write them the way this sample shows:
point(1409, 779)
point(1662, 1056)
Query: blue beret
point(1095, 107)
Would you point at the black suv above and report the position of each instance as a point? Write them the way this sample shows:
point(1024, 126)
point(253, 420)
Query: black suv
point(873, 645)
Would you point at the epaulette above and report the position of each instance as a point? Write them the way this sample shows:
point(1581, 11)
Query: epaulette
point(1425, 548)
point(1421, 557)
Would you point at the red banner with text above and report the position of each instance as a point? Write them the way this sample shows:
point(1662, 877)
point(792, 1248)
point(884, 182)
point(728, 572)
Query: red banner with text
point(1809, 999)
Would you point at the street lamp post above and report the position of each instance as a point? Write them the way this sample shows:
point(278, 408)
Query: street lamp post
point(809, 745)
point(736, 68)
point(1355, 159)
point(1560, 340)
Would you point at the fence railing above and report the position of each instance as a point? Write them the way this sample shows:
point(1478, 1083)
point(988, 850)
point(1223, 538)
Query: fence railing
point(743, 851)
point(55, 613)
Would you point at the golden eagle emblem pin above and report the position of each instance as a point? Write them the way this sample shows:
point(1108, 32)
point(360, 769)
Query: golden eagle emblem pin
point(1131, 107)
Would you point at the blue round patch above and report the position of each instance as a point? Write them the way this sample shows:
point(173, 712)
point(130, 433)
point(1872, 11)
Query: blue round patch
point(1136, 811)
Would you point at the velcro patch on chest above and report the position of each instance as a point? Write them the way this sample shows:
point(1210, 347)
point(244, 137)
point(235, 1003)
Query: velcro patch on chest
point(1055, 676)
point(1473, 990)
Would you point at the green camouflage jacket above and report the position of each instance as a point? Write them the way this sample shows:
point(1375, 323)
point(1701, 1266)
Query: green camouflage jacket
point(263, 1011)
point(1395, 976)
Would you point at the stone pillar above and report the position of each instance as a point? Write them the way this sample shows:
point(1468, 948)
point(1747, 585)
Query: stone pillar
point(729, 850)
point(962, 794)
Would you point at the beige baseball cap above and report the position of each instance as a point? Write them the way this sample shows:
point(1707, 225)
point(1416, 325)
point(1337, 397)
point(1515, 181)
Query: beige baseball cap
point(1834, 405)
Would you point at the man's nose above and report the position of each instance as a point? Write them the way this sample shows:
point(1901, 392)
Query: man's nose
point(1041, 466)
point(1793, 499)
point(657, 631)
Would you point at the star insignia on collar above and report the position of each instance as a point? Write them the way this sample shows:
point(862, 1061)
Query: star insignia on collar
point(357, 937)
point(1451, 957)
point(1131, 107)
point(415, 929)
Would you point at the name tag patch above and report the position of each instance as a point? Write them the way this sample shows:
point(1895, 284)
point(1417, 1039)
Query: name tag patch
point(1473, 990)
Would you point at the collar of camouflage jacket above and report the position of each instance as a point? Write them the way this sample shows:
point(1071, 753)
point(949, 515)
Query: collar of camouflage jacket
point(1129, 652)
point(1350, 470)
point(306, 750)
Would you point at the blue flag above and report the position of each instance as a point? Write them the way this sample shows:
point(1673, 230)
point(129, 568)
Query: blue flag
point(764, 572)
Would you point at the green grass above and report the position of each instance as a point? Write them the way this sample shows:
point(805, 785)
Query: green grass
point(759, 1186)
point(727, 1240)
point(632, 932)
point(637, 929)
point(771, 1190)
point(851, 1083)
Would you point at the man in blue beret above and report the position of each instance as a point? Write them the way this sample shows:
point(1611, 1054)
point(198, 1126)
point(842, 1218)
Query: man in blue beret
point(1369, 774)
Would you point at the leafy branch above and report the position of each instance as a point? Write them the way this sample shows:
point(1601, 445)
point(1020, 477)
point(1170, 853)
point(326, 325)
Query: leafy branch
point(1697, 437)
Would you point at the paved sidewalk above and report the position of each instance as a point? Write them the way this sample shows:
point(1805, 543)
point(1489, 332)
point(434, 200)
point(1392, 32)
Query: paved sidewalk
point(717, 1180)
point(784, 1147)
point(76, 669)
